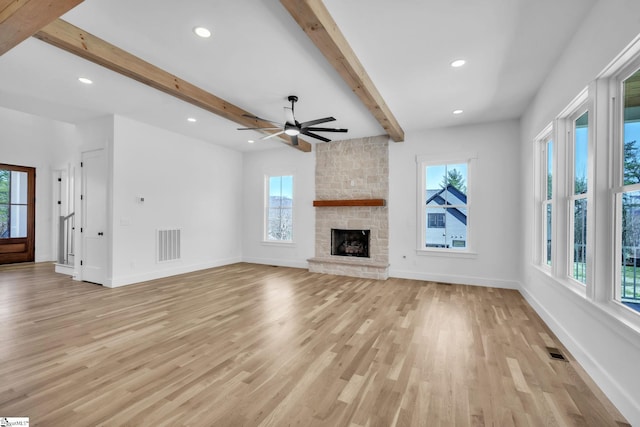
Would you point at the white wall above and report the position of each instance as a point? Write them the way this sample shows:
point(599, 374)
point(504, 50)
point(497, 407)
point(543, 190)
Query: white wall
point(608, 349)
point(47, 145)
point(282, 161)
point(187, 184)
point(494, 217)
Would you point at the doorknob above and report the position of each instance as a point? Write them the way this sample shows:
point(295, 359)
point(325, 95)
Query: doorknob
point(100, 233)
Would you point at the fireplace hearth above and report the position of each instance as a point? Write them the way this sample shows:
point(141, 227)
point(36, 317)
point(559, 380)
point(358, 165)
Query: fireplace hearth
point(353, 243)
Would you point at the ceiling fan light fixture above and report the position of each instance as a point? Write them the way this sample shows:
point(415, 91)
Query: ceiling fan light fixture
point(292, 131)
point(202, 32)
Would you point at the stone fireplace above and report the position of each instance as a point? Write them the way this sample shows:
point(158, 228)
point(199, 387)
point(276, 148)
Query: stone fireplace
point(352, 186)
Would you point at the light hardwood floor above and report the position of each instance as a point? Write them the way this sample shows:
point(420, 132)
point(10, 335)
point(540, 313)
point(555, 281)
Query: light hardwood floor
point(250, 345)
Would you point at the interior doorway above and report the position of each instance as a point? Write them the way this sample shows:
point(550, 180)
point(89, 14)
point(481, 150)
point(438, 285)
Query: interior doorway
point(17, 213)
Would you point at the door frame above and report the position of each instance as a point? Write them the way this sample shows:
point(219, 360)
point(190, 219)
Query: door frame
point(29, 242)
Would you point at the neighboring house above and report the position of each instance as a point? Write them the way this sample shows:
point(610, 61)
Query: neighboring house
point(446, 218)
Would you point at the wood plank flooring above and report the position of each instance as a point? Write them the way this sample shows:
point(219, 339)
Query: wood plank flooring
point(251, 345)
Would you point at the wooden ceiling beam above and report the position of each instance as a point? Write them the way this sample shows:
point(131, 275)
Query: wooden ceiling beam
point(20, 19)
point(314, 18)
point(79, 42)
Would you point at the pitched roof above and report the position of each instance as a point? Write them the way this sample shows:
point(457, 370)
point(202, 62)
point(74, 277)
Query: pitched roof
point(437, 198)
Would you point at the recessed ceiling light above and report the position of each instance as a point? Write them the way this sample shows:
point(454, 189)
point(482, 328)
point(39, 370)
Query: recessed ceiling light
point(191, 119)
point(458, 63)
point(84, 80)
point(251, 141)
point(458, 111)
point(202, 32)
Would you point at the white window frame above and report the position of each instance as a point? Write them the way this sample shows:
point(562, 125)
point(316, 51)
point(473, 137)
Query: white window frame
point(562, 263)
point(266, 239)
point(422, 162)
point(617, 167)
point(542, 146)
point(573, 198)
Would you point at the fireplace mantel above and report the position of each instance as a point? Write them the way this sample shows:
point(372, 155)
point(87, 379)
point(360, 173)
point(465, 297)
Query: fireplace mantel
point(349, 202)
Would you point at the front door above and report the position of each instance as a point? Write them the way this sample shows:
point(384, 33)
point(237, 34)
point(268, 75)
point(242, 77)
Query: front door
point(94, 217)
point(17, 213)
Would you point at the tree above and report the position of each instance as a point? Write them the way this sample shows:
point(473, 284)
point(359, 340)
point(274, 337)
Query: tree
point(454, 178)
point(630, 202)
point(631, 163)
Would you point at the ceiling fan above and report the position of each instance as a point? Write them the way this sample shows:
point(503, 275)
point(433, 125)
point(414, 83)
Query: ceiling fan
point(293, 128)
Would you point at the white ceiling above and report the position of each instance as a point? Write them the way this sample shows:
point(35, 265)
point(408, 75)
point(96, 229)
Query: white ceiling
point(258, 55)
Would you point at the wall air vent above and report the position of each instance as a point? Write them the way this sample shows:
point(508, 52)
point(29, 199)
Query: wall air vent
point(168, 245)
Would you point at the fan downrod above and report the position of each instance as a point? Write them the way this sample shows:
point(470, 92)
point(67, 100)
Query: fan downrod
point(292, 98)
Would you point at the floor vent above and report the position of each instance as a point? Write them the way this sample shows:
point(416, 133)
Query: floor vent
point(168, 245)
point(556, 354)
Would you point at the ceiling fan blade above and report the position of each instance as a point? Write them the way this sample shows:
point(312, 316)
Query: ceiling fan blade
point(272, 135)
point(258, 128)
point(260, 118)
point(288, 114)
point(317, 122)
point(316, 136)
point(316, 129)
point(294, 140)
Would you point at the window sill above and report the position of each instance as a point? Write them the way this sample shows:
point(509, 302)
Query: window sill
point(284, 244)
point(447, 253)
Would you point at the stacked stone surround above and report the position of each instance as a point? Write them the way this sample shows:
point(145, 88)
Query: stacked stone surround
point(346, 170)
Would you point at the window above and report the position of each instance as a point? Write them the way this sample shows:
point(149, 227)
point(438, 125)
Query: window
point(546, 186)
point(628, 198)
point(13, 204)
point(444, 206)
point(436, 220)
point(279, 208)
point(17, 213)
point(578, 136)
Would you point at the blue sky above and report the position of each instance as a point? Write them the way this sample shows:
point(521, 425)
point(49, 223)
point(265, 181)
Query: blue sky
point(278, 184)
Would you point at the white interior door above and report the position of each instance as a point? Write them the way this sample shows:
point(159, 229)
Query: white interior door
point(94, 217)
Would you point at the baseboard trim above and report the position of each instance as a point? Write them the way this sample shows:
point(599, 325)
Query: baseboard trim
point(152, 275)
point(69, 270)
point(278, 262)
point(458, 280)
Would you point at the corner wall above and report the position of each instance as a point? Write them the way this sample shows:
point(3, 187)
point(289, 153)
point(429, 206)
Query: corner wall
point(494, 209)
point(279, 161)
point(187, 184)
point(607, 348)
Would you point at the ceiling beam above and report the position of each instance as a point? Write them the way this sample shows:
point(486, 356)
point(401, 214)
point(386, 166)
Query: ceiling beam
point(20, 19)
point(314, 18)
point(79, 42)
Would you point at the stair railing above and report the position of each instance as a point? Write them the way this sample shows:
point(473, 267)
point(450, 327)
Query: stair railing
point(66, 239)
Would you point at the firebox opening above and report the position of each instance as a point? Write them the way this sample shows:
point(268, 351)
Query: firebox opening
point(350, 242)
